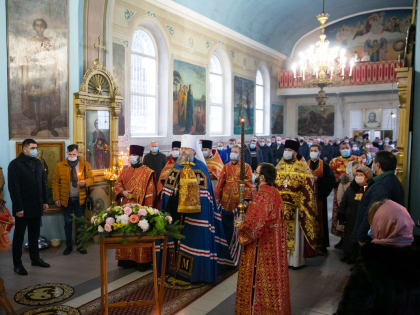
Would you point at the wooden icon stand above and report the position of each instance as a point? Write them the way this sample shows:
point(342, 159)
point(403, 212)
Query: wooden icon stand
point(133, 242)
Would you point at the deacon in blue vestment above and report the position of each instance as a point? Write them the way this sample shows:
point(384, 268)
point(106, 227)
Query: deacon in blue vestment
point(188, 196)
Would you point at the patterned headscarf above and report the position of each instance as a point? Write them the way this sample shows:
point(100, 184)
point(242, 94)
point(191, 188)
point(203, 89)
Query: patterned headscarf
point(392, 225)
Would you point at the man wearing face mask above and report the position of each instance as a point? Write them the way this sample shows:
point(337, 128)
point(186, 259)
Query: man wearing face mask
point(222, 152)
point(266, 152)
point(279, 148)
point(303, 148)
point(173, 157)
point(253, 155)
point(338, 166)
point(71, 178)
point(213, 161)
point(385, 185)
point(227, 189)
point(296, 186)
point(136, 184)
point(155, 159)
point(28, 190)
point(324, 183)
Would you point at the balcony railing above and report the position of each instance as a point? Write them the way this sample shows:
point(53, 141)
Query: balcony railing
point(363, 73)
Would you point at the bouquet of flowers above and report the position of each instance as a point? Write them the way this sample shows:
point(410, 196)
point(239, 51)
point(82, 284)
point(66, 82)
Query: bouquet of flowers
point(128, 220)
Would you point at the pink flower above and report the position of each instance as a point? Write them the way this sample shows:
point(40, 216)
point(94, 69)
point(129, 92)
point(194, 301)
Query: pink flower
point(108, 209)
point(108, 227)
point(110, 221)
point(142, 212)
point(169, 219)
point(134, 218)
point(128, 210)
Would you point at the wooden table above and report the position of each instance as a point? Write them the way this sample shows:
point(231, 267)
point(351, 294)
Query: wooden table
point(133, 242)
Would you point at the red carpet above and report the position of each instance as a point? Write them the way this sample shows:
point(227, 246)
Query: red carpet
point(142, 289)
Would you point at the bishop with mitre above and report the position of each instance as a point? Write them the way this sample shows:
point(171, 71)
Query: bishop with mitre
point(188, 196)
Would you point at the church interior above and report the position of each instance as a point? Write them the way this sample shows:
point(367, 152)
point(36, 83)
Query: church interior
point(168, 118)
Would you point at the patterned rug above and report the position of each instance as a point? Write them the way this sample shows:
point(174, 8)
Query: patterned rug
point(142, 289)
point(44, 294)
point(52, 310)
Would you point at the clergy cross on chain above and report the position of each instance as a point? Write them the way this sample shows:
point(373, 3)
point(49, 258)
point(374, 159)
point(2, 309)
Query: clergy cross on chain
point(99, 47)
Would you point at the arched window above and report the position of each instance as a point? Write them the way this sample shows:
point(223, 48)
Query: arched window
point(216, 88)
point(259, 104)
point(143, 86)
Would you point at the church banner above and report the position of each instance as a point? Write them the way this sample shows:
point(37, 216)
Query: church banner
point(314, 121)
point(277, 115)
point(244, 100)
point(38, 68)
point(189, 99)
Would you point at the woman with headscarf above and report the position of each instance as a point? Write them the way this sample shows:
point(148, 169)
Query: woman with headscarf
point(386, 279)
point(347, 212)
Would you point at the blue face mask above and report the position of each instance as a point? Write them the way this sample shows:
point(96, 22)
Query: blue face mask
point(262, 144)
point(219, 148)
point(309, 143)
point(230, 146)
point(252, 146)
point(253, 178)
point(369, 233)
point(345, 153)
point(206, 154)
point(155, 149)
point(33, 153)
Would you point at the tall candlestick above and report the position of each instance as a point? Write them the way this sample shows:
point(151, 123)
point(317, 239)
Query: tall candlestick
point(242, 149)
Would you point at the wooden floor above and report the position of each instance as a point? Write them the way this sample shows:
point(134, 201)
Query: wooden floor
point(313, 288)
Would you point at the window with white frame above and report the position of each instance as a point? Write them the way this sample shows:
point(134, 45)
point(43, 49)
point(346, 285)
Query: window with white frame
point(259, 104)
point(216, 96)
point(143, 86)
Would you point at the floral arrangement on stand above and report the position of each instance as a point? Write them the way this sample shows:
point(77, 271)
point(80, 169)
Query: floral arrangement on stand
point(127, 220)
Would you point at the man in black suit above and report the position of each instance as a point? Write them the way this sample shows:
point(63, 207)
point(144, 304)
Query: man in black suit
point(28, 191)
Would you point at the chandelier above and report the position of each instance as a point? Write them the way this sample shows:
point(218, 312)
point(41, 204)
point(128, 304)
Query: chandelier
point(321, 64)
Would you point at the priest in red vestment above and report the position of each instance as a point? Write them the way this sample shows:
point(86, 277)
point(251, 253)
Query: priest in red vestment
point(263, 279)
point(176, 147)
point(213, 160)
point(136, 184)
point(227, 189)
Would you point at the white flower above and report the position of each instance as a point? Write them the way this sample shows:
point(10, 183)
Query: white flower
point(100, 229)
point(104, 215)
point(93, 219)
point(123, 219)
point(144, 225)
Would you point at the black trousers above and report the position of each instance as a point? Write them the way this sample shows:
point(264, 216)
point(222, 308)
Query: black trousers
point(34, 228)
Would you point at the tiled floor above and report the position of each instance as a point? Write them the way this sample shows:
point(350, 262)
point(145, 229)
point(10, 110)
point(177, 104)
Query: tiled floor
point(313, 288)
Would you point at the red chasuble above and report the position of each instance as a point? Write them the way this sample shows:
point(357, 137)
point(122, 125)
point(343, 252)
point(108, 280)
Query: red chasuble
point(215, 165)
point(163, 176)
point(140, 182)
point(338, 166)
point(263, 279)
point(227, 189)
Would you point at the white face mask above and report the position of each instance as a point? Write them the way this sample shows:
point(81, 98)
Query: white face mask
point(72, 159)
point(134, 159)
point(175, 154)
point(287, 155)
point(359, 179)
point(314, 155)
point(234, 156)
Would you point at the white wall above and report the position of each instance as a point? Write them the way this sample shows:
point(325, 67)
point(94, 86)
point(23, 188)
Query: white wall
point(192, 39)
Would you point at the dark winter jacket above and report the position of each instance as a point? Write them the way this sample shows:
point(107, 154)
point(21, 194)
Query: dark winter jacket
point(155, 161)
point(385, 281)
point(385, 186)
point(304, 150)
point(27, 183)
point(267, 154)
point(247, 153)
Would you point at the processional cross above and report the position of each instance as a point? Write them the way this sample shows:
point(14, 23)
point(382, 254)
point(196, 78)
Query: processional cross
point(99, 47)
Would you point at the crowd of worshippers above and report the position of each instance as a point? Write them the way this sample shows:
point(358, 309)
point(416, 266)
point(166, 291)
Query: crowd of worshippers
point(285, 188)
